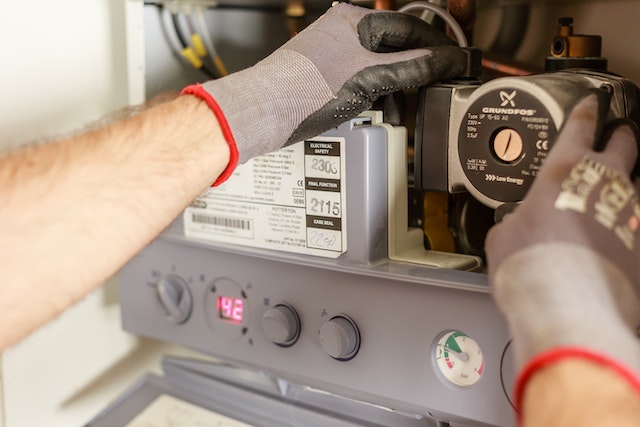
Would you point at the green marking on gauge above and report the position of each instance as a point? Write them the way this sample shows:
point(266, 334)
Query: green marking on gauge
point(452, 344)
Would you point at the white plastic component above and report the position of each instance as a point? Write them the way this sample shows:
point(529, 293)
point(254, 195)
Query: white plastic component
point(134, 21)
point(281, 325)
point(340, 338)
point(459, 359)
point(406, 244)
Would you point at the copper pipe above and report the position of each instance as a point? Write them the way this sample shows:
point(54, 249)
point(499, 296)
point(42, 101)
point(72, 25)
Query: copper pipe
point(501, 68)
point(494, 66)
point(384, 4)
point(465, 13)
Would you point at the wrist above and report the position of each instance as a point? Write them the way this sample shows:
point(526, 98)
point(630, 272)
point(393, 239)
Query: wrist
point(265, 104)
point(199, 92)
point(564, 354)
point(572, 387)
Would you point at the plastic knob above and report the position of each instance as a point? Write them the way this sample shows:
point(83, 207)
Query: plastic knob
point(175, 298)
point(281, 325)
point(340, 338)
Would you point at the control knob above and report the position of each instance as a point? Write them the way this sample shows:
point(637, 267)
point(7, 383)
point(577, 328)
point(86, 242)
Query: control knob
point(340, 338)
point(175, 298)
point(281, 325)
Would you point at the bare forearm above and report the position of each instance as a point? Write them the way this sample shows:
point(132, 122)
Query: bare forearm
point(579, 393)
point(74, 211)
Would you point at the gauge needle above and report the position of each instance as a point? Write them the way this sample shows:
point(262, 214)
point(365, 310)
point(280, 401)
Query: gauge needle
point(456, 351)
point(461, 354)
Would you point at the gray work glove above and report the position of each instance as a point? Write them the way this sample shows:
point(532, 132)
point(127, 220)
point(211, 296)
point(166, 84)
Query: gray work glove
point(565, 266)
point(329, 73)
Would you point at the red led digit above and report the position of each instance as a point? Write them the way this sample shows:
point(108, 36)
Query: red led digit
point(230, 309)
point(236, 313)
point(224, 307)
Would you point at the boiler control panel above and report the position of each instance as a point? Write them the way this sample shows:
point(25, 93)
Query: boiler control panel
point(383, 321)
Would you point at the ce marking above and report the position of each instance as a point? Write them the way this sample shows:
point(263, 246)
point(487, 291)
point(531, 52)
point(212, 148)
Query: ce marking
point(542, 144)
point(300, 183)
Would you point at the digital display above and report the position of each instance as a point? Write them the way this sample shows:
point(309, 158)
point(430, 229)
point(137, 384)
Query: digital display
point(230, 309)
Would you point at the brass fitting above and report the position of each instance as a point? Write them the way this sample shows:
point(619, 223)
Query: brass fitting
point(566, 44)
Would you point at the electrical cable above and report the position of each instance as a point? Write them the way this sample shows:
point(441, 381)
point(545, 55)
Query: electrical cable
point(206, 35)
point(442, 13)
point(188, 53)
point(465, 12)
point(176, 26)
point(172, 37)
point(197, 43)
point(487, 63)
point(428, 16)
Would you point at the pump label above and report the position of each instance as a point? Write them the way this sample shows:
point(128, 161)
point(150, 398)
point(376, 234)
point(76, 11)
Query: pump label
point(290, 200)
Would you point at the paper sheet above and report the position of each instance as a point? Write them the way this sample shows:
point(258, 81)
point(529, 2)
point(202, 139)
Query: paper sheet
point(168, 411)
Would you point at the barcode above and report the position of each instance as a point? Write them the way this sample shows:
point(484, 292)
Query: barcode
point(240, 224)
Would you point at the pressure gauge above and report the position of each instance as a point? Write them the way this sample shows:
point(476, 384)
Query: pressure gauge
point(459, 358)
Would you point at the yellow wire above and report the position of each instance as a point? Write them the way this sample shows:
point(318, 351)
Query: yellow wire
point(191, 56)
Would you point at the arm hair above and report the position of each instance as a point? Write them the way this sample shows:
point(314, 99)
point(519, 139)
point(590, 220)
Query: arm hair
point(73, 211)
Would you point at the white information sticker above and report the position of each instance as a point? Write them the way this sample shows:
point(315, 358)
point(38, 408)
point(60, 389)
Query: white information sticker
point(168, 411)
point(291, 200)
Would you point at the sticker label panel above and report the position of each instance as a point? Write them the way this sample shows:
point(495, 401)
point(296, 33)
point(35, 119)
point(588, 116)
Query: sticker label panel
point(290, 200)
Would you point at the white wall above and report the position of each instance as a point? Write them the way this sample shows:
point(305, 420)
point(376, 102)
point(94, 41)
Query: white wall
point(64, 63)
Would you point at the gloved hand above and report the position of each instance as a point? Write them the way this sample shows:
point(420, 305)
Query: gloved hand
point(329, 73)
point(565, 266)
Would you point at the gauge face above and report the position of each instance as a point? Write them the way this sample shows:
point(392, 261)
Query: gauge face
point(459, 359)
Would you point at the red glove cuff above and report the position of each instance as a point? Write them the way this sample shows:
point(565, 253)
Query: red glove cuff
point(555, 355)
point(198, 91)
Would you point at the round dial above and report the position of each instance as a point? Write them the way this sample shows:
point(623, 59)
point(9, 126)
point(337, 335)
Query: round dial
point(340, 338)
point(459, 358)
point(175, 298)
point(281, 325)
point(507, 145)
